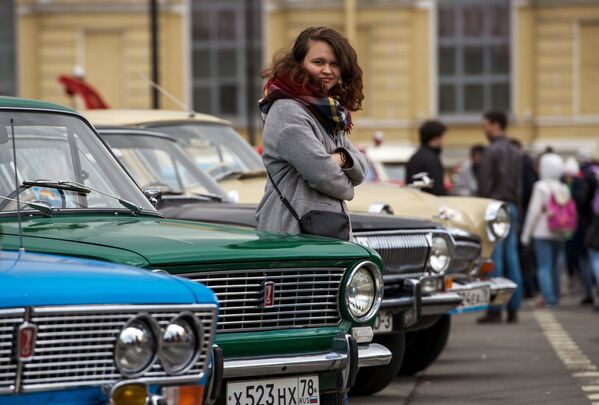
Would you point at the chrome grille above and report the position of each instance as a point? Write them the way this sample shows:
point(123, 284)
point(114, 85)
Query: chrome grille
point(304, 297)
point(10, 319)
point(403, 253)
point(465, 253)
point(75, 345)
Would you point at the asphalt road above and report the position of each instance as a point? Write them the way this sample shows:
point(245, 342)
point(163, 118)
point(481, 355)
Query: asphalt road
point(548, 357)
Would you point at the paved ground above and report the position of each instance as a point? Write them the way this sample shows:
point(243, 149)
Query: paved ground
point(549, 357)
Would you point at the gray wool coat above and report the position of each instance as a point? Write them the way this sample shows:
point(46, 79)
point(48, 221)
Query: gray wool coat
point(296, 151)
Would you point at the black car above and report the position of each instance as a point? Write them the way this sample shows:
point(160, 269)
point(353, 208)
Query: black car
point(417, 254)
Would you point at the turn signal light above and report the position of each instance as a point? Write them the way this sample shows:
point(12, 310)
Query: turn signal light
point(184, 395)
point(448, 283)
point(130, 394)
point(486, 268)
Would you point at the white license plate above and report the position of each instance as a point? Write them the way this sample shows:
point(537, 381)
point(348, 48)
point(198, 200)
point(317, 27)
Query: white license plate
point(475, 297)
point(383, 322)
point(280, 391)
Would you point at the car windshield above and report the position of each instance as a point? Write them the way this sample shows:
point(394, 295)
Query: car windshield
point(395, 171)
point(216, 148)
point(61, 165)
point(157, 162)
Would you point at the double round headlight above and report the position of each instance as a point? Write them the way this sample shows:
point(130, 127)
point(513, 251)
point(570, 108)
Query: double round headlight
point(364, 291)
point(136, 346)
point(440, 256)
point(498, 220)
point(180, 344)
point(140, 342)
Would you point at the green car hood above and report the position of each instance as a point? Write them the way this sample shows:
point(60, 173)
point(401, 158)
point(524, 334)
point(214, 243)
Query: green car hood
point(151, 241)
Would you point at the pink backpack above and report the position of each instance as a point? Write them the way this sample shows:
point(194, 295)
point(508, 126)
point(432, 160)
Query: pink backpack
point(562, 219)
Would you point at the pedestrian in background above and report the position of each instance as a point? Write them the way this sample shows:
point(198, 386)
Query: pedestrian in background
point(577, 259)
point(548, 242)
point(465, 181)
point(500, 178)
point(308, 99)
point(526, 253)
point(592, 233)
point(427, 158)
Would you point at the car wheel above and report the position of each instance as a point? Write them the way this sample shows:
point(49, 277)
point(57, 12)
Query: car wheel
point(424, 346)
point(374, 379)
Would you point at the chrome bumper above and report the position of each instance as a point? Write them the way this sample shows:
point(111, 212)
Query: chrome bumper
point(501, 290)
point(414, 304)
point(346, 356)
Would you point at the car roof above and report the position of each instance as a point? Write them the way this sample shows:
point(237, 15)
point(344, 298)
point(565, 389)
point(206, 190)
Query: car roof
point(135, 117)
point(18, 102)
point(123, 130)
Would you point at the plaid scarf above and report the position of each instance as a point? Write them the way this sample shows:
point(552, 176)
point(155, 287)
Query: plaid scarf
point(329, 112)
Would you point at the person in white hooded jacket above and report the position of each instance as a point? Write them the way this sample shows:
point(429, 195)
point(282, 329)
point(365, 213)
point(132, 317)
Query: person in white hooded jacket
point(549, 247)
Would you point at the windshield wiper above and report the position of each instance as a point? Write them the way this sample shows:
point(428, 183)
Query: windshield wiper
point(213, 197)
point(228, 173)
point(40, 206)
point(59, 185)
point(82, 188)
point(246, 174)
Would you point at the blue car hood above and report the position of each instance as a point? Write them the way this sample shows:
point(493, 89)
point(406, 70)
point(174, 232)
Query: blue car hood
point(36, 279)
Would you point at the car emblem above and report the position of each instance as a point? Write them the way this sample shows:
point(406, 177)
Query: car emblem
point(26, 342)
point(268, 300)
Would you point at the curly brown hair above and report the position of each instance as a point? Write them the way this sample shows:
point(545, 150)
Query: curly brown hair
point(287, 64)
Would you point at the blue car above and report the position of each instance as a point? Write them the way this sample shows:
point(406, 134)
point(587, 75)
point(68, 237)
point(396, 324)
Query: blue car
point(76, 331)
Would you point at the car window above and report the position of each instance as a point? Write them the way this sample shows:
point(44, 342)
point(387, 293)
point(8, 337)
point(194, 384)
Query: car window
point(56, 147)
point(217, 149)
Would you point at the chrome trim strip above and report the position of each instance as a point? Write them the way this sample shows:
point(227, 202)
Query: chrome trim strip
point(440, 303)
point(502, 290)
point(50, 310)
point(369, 355)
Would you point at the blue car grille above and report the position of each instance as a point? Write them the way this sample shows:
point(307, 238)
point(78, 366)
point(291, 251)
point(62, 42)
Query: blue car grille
point(305, 297)
point(10, 319)
point(403, 253)
point(75, 345)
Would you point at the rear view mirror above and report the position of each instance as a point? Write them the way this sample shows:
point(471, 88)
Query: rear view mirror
point(154, 195)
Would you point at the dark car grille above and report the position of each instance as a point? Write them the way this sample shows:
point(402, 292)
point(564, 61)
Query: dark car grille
point(10, 319)
point(75, 345)
point(465, 253)
point(305, 297)
point(403, 253)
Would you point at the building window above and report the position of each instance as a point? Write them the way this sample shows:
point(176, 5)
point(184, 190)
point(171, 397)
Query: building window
point(227, 57)
point(7, 49)
point(473, 56)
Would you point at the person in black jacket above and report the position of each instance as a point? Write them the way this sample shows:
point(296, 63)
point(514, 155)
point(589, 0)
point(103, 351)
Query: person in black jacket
point(428, 157)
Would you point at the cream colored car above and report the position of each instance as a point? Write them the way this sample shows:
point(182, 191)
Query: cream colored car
point(219, 149)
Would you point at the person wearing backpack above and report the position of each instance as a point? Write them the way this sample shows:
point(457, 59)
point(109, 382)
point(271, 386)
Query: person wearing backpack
point(551, 218)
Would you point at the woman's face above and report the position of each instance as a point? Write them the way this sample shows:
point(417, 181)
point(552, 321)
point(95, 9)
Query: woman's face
point(321, 63)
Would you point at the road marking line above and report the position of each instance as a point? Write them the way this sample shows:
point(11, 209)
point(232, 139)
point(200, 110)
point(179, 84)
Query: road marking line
point(569, 353)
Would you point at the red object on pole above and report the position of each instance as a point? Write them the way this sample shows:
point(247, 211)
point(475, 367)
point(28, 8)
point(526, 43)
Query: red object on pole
point(74, 86)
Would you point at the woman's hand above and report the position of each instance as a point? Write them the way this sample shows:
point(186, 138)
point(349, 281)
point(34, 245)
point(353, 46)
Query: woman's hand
point(339, 158)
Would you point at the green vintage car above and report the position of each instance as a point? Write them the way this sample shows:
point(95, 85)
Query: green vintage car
point(296, 311)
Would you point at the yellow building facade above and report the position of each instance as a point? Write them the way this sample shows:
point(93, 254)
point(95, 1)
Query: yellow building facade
point(553, 59)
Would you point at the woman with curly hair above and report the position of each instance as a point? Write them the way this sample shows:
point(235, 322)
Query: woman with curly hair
point(311, 91)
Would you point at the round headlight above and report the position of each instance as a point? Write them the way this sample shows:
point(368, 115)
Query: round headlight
point(440, 256)
point(180, 342)
point(136, 347)
point(363, 292)
point(500, 225)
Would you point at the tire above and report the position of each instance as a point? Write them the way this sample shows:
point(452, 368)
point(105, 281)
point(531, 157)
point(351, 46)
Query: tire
point(425, 346)
point(336, 398)
point(374, 379)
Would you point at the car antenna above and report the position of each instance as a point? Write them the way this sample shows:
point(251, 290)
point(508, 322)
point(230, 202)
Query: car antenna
point(165, 92)
point(14, 154)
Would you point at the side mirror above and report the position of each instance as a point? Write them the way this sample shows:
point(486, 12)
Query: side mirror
point(421, 181)
point(154, 195)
